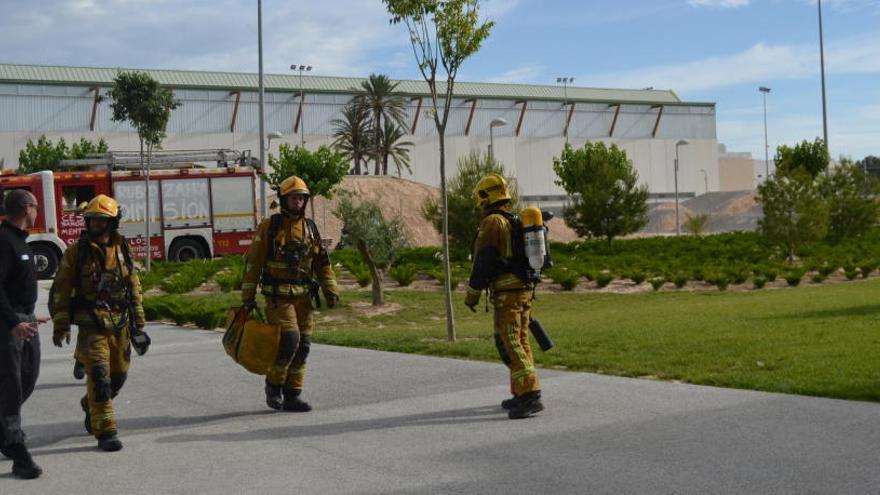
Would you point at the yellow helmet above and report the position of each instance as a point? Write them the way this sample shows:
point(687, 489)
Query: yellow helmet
point(293, 185)
point(490, 190)
point(101, 206)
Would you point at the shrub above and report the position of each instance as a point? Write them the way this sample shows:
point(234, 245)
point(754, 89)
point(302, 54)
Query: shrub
point(637, 277)
point(439, 275)
point(771, 274)
point(604, 278)
point(360, 272)
point(657, 282)
point(851, 273)
point(867, 267)
point(188, 276)
point(818, 278)
point(719, 280)
point(793, 277)
point(403, 274)
point(699, 275)
point(680, 280)
point(759, 281)
point(568, 279)
point(826, 269)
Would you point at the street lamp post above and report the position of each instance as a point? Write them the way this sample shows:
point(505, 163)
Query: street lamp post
point(822, 65)
point(683, 142)
point(302, 120)
point(264, 208)
point(492, 125)
point(705, 179)
point(269, 137)
point(565, 81)
point(764, 90)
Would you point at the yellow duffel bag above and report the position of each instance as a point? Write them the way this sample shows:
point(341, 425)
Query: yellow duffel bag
point(249, 341)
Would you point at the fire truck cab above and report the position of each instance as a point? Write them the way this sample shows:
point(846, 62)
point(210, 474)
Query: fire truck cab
point(195, 212)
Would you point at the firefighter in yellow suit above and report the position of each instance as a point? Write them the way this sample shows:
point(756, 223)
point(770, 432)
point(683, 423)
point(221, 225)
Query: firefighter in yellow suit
point(98, 290)
point(289, 264)
point(500, 266)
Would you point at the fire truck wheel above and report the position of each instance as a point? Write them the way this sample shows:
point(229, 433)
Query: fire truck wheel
point(185, 250)
point(46, 260)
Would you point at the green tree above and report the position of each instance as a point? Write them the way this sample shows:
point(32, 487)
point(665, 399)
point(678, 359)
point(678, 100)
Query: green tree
point(443, 34)
point(378, 95)
point(352, 133)
point(871, 165)
point(794, 211)
point(850, 197)
point(811, 157)
point(43, 155)
point(607, 200)
point(379, 240)
point(138, 99)
point(322, 170)
point(464, 214)
point(85, 148)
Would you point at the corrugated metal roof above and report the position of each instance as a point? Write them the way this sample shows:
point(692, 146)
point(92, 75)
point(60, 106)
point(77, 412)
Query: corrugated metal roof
point(47, 74)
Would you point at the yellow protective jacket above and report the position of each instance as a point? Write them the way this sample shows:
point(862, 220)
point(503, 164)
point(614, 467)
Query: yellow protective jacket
point(493, 246)
point(281, 273)
point(83, 298)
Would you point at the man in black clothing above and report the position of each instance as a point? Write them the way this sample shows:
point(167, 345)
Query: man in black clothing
point(19, 339)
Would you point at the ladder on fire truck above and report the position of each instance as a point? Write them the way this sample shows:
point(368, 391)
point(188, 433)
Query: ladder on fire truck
point(131, 160)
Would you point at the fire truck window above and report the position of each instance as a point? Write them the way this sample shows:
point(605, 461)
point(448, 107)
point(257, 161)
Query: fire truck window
point(75, 195)
point(3, 195)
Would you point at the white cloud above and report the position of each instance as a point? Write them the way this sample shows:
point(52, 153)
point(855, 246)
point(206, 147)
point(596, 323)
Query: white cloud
point(520, 75)
point(726, 4)
point(760, 63)
point(191, 34)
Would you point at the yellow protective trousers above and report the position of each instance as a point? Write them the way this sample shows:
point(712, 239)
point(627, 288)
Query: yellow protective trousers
point(294, 316)
point(106, 356)
point(512, 310)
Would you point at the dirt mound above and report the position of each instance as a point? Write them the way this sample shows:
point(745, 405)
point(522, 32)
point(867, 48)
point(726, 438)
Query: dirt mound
point(405, 198)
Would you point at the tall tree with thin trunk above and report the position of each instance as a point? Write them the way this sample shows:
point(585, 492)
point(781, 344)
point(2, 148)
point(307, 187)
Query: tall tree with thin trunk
point(393, 148)
point(378, 94)
point(139, 100)
point(352, 133)
point(443, 33)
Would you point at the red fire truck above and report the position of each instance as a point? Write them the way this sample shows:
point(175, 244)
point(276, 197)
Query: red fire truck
point(196, 212)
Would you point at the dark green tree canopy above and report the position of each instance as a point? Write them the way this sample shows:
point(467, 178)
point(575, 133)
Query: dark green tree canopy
point(607, 200)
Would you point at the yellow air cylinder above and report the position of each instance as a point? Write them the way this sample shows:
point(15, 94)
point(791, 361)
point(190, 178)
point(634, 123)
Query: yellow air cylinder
point(535, 237)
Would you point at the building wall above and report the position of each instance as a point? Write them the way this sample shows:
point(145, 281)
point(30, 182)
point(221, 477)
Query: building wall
point(203, 121)
point(736, 173)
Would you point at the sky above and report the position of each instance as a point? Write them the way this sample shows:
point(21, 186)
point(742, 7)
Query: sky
point(705, 50)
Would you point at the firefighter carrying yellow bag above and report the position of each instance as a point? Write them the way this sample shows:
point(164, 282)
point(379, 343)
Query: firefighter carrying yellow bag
point(249, 341)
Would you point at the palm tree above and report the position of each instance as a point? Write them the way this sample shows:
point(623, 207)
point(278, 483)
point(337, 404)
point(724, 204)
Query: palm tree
point(391, 147)
point(378, 95)
point(352, 133)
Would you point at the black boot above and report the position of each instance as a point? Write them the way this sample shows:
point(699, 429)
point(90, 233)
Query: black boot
point(292, 402)
point(508, 404)
point(23, 464)
point(526, 405)
point(79, 370)
point(84, 404)
point(273, 396)
point(109, 442)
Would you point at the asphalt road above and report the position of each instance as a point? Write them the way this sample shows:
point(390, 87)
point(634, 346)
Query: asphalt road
point(192, 421)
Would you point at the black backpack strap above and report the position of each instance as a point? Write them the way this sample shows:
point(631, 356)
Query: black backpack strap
point(274, 225)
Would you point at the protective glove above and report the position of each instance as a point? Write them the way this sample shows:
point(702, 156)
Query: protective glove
point(140, 341)
point(249, 305)
point(331, 299)
point(60, 335)
point(472, 298)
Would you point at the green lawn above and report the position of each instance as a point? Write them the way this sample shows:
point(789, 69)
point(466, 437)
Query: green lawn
point(821, 341)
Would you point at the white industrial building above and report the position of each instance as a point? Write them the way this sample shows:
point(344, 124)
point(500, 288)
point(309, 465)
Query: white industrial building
point(220, 110)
